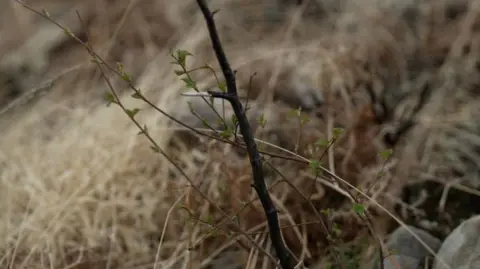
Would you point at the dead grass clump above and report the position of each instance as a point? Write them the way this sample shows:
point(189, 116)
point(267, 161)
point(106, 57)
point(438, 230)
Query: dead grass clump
point(94, 197)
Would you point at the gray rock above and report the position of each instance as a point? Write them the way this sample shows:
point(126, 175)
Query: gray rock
point(407, 251)
point(300, 92)
point(461, 249)
point(405, 262)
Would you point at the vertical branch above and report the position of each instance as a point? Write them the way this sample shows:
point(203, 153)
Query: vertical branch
point(286, 259)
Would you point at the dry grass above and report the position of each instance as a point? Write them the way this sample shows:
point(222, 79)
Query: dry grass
point(79, 188)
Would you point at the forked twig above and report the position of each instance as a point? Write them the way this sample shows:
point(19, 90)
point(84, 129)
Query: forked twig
point(286, 259)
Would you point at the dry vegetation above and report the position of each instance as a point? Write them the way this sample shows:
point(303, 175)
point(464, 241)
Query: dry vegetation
point(79, 188)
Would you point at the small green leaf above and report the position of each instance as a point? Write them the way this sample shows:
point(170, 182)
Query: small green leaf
point(304, 119)
point(386, 153)
point(234, 120)
point(110, 98)
point(132, 112)
point(45, 12)
point(96, 60)
point(119, 67)
point(155, 149)
point(222, 186)
point(67, 31)
point(380, 174)
point(205, 123)
point(359, 209)
point(336, 230)
point(182, 56)
point(295, 112)
point(315, 166)
point(322, 142)
point(222, 86)
point(126, 77)
point(227, 133)
point(337, 132)
point(394, 252)
point(137, 95)
point(209, 220)
point(262, 121)
point(190, 83)
point(328, 265)
point(183, 53)
point(299, 111)
point(325, 212)
point(219, 120)
point(214, 232)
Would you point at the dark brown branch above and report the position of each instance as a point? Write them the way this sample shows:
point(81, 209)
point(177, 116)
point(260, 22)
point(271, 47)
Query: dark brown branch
point(286, 260)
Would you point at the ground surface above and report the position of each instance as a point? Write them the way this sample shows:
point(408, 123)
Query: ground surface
point(80, 188)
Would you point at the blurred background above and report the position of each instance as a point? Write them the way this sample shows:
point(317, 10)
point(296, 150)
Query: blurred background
point(80, 189)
